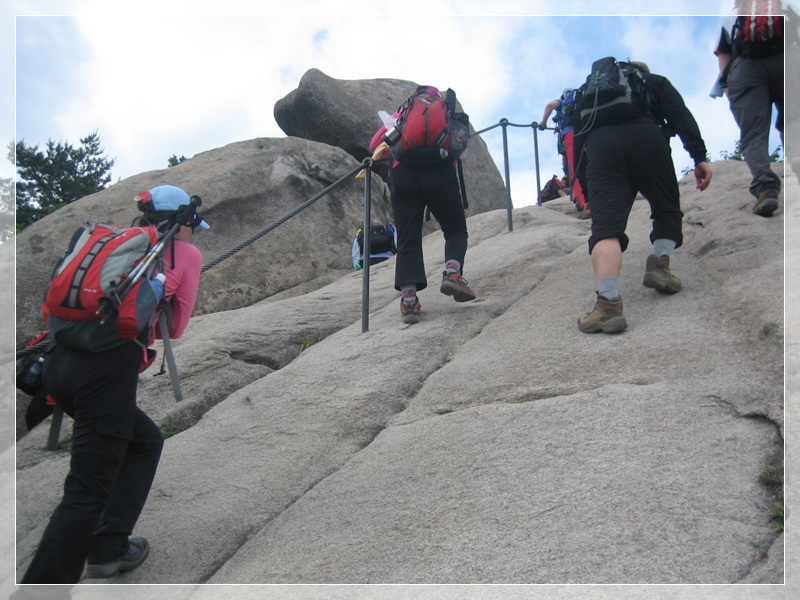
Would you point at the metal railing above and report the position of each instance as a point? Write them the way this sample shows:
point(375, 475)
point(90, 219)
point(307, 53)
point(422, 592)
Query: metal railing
point(366, 165)
point(505, 124)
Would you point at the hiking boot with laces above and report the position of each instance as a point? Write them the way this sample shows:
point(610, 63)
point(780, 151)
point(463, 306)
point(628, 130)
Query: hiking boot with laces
point(409, 311)
point(138, 549)
point(766, 204)
point(657, 275)
point(606, 317)
point(456, 286)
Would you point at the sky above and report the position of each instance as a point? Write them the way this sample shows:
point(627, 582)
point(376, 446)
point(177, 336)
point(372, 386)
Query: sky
point(157, 79)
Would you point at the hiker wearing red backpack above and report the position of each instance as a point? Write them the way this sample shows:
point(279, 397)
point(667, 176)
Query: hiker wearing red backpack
point(425, 140)
point(566, 144)
point(115, 446)
point(553, 189)
point(627, 116)
point(750, 56)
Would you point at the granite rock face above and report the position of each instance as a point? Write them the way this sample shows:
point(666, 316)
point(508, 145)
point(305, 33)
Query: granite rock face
point(492, 442)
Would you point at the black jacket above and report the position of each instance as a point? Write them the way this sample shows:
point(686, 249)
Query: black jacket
point(669, 111)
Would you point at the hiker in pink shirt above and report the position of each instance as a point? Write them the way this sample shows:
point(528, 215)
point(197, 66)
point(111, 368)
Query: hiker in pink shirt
point(116, 447)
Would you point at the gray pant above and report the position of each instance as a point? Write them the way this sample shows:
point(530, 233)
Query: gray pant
point(793, 107)
point(754, 85)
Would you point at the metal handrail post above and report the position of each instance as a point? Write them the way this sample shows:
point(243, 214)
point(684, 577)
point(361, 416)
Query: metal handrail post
point(509, 206)
point(536, 156)
point(365, 254)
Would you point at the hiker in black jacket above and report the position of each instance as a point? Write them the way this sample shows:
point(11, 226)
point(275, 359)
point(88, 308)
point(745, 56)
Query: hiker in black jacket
point(620, 160)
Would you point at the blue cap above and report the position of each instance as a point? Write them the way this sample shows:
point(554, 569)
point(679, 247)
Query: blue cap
point(171, 198)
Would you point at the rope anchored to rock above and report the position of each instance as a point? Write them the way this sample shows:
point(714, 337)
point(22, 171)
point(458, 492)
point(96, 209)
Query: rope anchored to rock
point(336, 184)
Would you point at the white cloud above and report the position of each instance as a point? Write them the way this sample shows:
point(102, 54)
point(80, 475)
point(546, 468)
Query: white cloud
point(159, 78)
point(186, 77)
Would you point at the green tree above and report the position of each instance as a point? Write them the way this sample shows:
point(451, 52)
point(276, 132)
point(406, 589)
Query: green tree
point(174, 160)
point(6, 209)
point(690, 169)
point(7, 201)
point(58, 175)
point(775, 156)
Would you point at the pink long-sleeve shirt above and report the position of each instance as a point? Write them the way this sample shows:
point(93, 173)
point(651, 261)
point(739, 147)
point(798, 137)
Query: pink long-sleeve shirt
point(181, 284)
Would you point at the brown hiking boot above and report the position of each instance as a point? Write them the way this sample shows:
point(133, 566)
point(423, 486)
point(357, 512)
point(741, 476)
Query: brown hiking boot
point(766, 204)
point(658, 276)
point(606, 317)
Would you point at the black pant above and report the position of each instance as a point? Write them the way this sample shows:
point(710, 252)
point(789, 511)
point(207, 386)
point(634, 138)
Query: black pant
point(625, 159)
point(115, 453)
point(414, 188)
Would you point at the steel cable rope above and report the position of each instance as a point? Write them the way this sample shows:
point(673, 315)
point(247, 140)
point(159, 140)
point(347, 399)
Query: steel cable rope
point(282, 220)
point(338, 183)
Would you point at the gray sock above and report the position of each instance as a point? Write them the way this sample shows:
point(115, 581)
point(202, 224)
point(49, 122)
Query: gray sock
point(663, 247)
point(608, 287)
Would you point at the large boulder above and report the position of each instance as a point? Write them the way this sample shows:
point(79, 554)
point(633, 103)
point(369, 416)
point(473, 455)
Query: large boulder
point(344, 113)
point(245, 187)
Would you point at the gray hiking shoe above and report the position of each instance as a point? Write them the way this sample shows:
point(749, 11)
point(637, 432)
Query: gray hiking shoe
point(766, 204)
point(657, 275)
point(138, 549)
point(606, 317)
point(409, 311)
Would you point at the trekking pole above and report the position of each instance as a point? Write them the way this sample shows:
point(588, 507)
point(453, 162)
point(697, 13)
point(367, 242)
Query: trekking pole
point(183, 216)
point(367, 247)
point(172, 367)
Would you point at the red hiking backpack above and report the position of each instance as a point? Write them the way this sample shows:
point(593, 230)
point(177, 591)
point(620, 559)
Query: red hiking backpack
point(430, 130)
point(758, 30)
point(89, 274)
point(551, 189)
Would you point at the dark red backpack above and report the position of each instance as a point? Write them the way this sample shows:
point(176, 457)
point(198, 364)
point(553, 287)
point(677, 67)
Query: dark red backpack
point(758, 30)
point(431, 131)
point(88, 277)
point(551, 189)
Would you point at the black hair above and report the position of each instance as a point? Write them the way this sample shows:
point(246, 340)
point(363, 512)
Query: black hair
point(158, 219)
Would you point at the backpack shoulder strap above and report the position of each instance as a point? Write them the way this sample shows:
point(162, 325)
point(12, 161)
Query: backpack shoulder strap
point(450, 100)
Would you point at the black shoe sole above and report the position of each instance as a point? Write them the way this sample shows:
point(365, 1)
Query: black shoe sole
point(111, 569)
point(766, 208)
